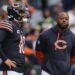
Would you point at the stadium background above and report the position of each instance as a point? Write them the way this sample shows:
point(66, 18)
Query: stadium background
point(43, 15)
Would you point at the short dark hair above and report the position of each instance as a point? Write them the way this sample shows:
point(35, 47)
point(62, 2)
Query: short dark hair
point(60, 13)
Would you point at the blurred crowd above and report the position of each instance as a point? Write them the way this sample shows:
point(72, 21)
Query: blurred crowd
point(42, 18)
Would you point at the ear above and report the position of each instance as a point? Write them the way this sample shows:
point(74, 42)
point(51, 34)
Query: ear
point(69, 26)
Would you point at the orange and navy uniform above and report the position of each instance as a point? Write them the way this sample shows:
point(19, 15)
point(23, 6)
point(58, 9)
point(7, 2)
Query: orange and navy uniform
point(7, 26)
point(12, 44)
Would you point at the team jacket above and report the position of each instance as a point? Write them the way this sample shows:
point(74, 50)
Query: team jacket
point(13, 45)
point(56, 50)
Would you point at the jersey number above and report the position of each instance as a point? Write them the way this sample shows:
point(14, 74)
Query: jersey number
point(21, 45)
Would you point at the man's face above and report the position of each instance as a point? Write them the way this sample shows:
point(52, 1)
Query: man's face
point(24, 16)
point(63, 20)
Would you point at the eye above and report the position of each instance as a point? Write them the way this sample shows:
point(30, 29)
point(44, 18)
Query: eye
point(61, 18)
point(67, 19)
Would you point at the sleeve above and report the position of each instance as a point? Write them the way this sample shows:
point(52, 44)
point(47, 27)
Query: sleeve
point(7, 26)
point(40, 48)
point(28, 50)
point(3, 35)
point(73, 50)
point(73, 46)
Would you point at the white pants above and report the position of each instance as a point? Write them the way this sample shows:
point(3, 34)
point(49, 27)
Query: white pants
point(44, 73)
point(10, 73)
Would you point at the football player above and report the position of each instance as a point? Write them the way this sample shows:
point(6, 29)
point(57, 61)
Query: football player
point(12, 39)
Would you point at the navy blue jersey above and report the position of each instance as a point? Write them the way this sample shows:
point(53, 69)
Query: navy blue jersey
point(56, 49)
point(13, 45)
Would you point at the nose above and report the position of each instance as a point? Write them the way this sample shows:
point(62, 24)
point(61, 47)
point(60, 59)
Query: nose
point(64, 20)
point(24, 15)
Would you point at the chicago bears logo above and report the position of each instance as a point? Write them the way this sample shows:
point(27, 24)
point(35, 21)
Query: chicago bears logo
point(15, 4)
point(64, 44)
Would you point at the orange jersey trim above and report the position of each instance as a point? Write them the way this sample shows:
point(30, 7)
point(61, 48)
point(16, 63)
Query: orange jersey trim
point(73, 59)
point(6, 28)
point(5, 73)
point(28, 51)
point(40, 56)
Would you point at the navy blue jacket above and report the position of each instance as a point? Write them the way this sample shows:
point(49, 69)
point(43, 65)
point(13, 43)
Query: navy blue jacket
point(56, 49)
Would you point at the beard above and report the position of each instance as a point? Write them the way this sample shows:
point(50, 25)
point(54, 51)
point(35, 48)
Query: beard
point(62, 27)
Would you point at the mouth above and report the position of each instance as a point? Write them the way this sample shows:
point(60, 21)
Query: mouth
point(64, 23)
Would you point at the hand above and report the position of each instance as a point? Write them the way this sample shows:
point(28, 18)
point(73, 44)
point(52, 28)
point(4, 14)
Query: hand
point(10, 63)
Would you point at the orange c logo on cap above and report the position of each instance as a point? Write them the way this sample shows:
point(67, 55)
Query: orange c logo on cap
point(60, 41)
point(15, 4)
